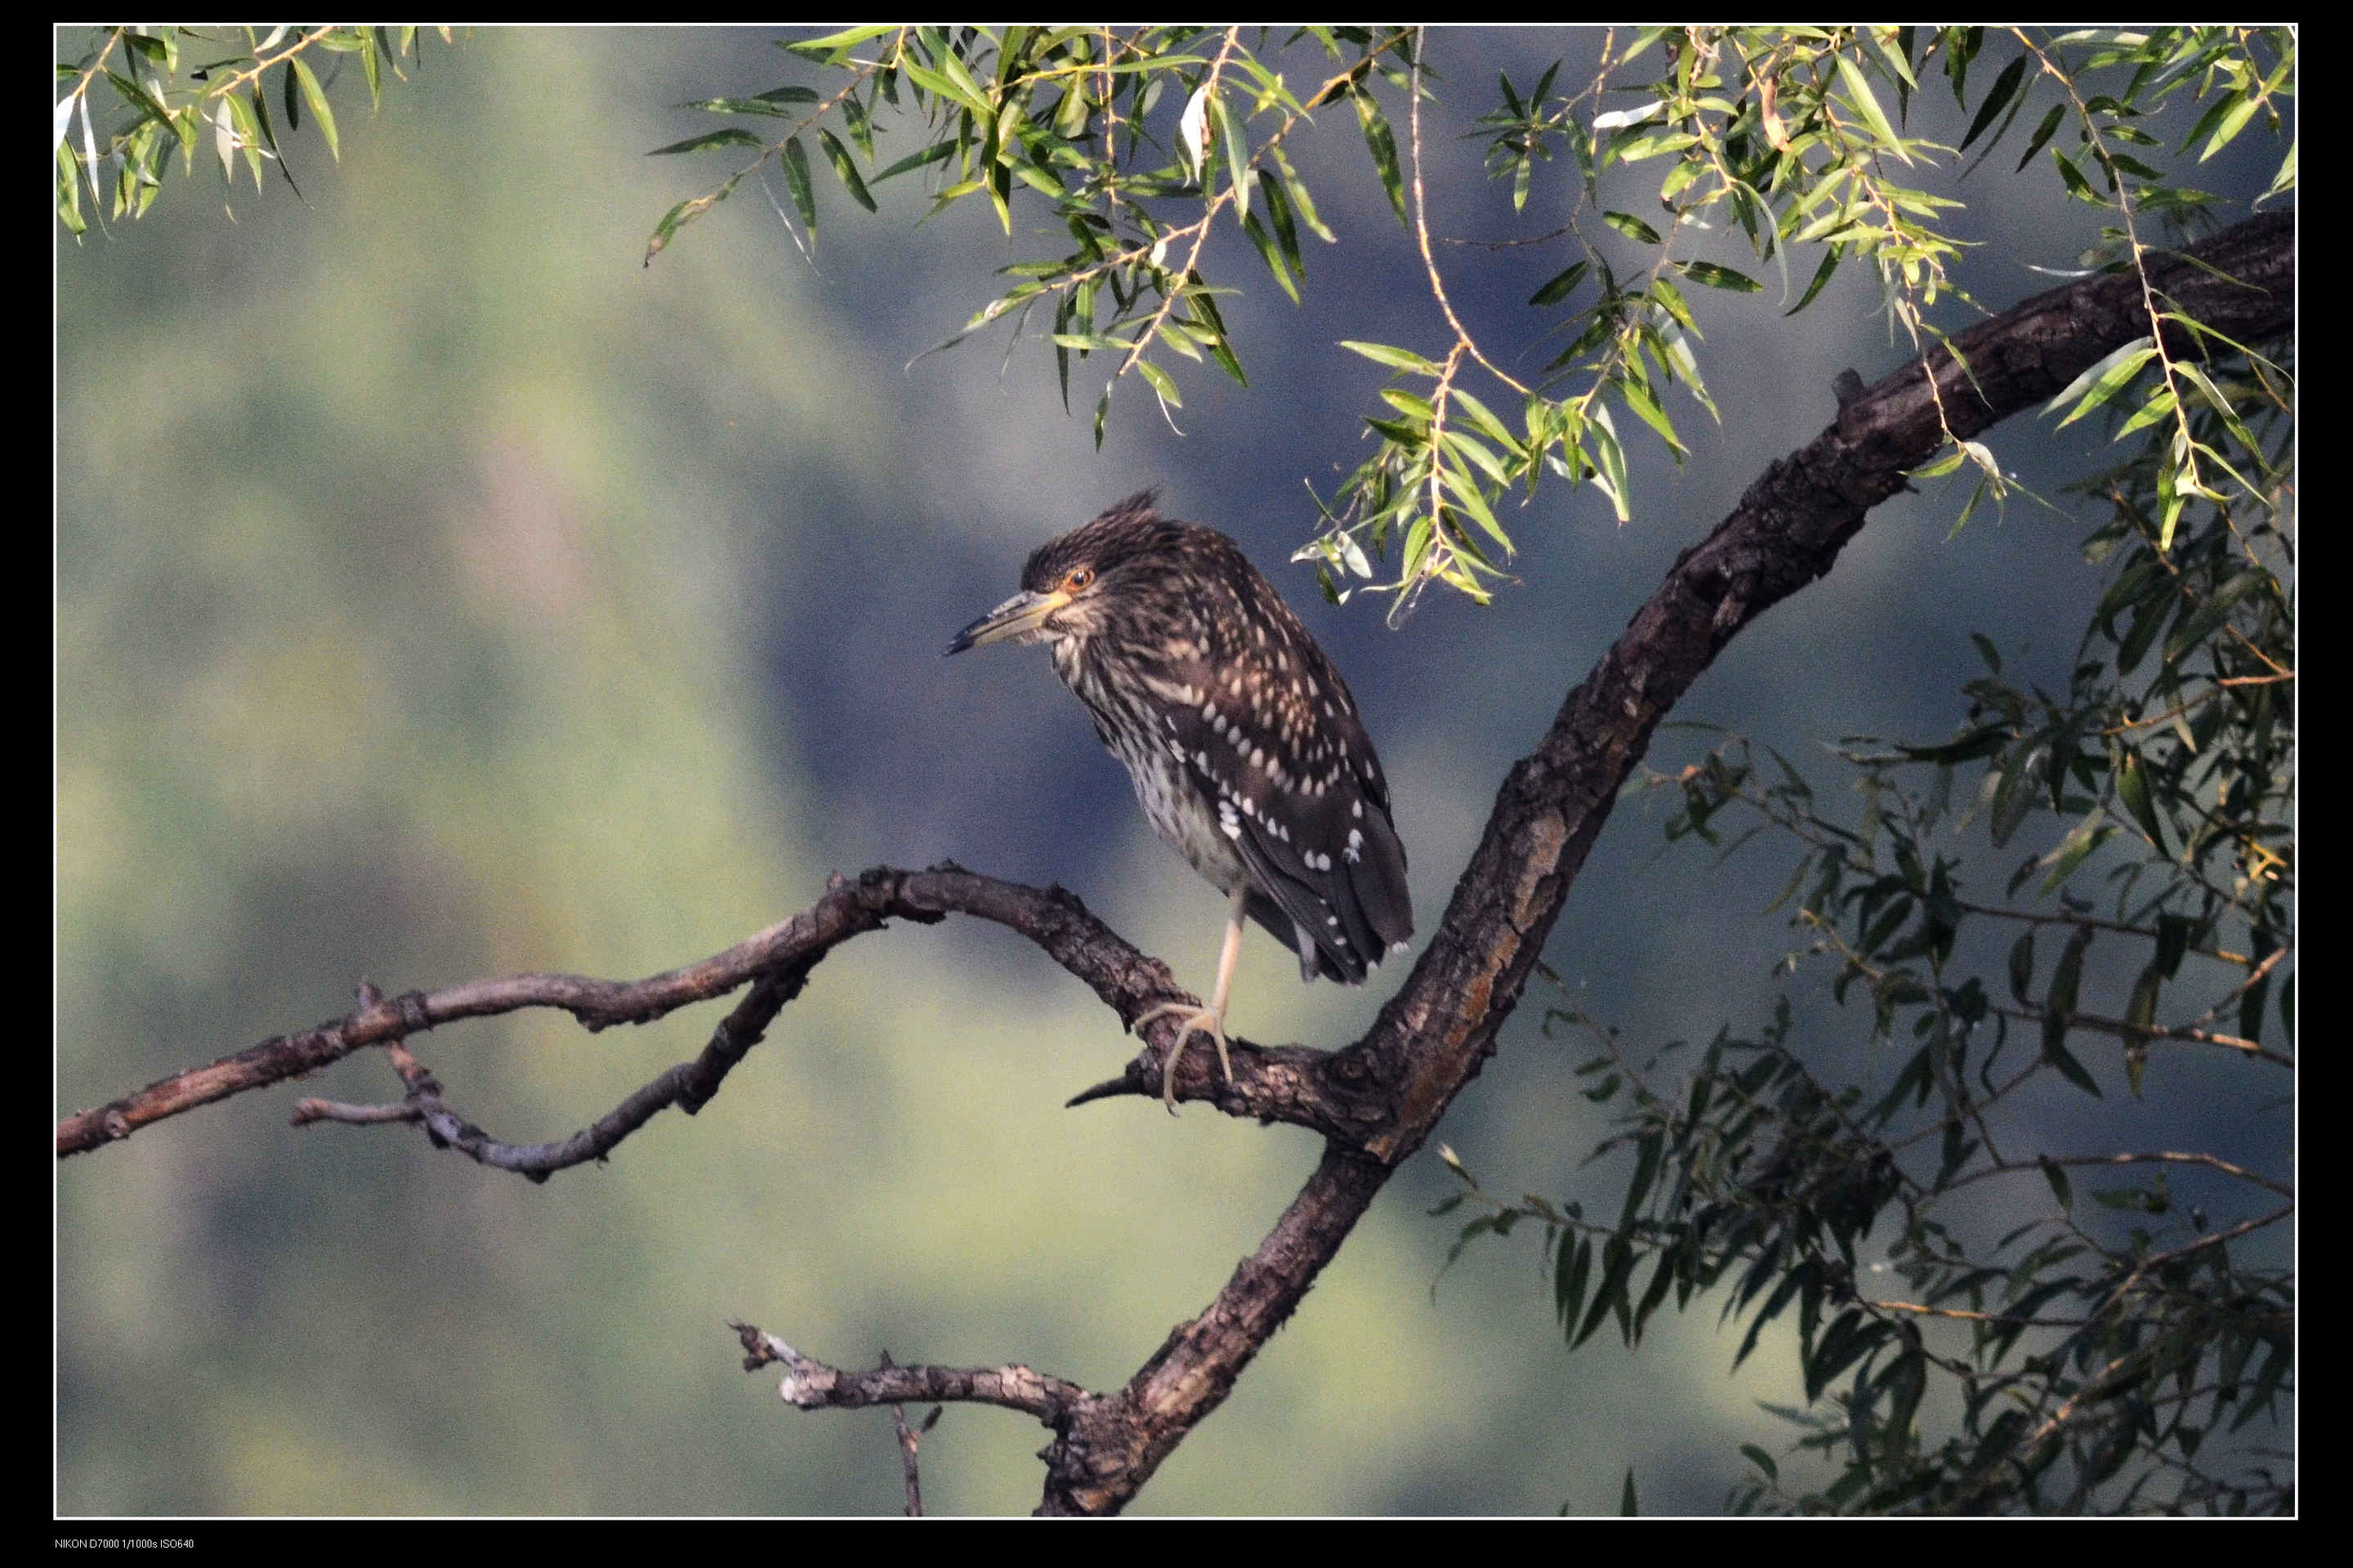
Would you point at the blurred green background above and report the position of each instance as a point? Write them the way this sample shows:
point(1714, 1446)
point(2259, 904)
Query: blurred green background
point(441, 594)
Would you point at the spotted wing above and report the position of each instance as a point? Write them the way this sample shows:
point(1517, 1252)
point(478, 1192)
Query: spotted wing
point(1274, 740)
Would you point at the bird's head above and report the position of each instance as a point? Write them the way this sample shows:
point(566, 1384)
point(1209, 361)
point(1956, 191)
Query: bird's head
point(1074, 585)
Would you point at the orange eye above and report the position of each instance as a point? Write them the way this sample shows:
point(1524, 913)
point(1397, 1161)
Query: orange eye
point(1077, 579)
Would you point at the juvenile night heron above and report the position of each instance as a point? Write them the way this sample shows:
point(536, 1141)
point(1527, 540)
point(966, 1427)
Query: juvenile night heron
point(1241, 737)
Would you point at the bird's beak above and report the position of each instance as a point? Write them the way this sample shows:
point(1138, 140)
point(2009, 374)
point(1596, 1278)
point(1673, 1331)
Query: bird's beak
point(1021, 618)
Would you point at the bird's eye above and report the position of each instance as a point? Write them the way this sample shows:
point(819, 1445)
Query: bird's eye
point(1076, 580)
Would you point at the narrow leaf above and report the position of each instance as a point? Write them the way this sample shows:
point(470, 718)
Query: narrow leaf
point(1851, 74)
point(1398, 358)
point(838, 156)
point(796, 180)
point(316, 97)
point(1382, 144)
point(1996, 99)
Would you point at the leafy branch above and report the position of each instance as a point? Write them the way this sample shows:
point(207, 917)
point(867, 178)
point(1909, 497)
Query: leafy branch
point(170, 108)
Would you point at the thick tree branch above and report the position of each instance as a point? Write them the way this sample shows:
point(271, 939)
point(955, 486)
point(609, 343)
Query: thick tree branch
point(1433, 1035)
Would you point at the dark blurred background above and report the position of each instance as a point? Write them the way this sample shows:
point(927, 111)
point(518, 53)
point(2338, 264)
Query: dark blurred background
point(441, 594)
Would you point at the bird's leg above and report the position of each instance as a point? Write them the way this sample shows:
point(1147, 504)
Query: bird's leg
point(1210, 1020)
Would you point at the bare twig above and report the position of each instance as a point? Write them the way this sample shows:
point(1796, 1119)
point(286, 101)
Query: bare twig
point(810, 1384)
point(2162, 1157)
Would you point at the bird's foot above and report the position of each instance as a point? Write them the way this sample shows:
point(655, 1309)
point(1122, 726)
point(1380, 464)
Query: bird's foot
point(1209, 1021)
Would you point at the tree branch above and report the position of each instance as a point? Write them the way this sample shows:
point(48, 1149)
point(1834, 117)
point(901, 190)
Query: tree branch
point(779, 958)
point(811, 1384)
point(1432, 1037)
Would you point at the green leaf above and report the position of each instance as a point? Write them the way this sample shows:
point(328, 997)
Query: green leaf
point(1627, 1507)
point(2173, 933)
point(1286, 230)
point(1265, 246)
point(1559, 288)
point(2284, 181)
point(1717, 277)
point(1161, 383)
point(1609, 458)
point(838, 156)
point(1237, 161)
point(2075, 848)
point(248, 130)
point(2056, 1174)
point(139, 98)
point(938, 151)
point(849, 39)
point(2250, 1005)
point(2059, 1006)
point(1648, 1150)
point(2208, 617)
point(2043, 132)
point(1383, 147)
point(1996, 99)
point(766, 103)
point(2161, 405)
point(1476, 454)
point(70, 191)
point(1638, 398)
point(1569, 1272)
point(1859, 90)
point(2140, 1019)
point(1616, 1263)
point(1983, 741)
point(1397, 358)
point(2022, 966)
point(2073, 178)
point(966, 88)
point(1493, 428)
point(2132, 784)
point(733, 136)
point(1762, 1461)
point(796, 181)
point(1633, 227)
point(1300, 200)
point(1822, 275)
point(2103, 380)
point(2234, 121)
point(316, 97)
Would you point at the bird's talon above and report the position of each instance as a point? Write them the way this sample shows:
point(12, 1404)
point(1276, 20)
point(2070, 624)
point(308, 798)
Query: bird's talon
point(1209, 1021)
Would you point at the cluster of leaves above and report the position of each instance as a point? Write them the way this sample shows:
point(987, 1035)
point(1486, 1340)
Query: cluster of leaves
point(167, 105)
point(2095, 1370)
point(1139, 139)
point(2227, 71)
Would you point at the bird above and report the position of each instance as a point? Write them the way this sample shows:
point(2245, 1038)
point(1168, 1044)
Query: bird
point(1242, 741)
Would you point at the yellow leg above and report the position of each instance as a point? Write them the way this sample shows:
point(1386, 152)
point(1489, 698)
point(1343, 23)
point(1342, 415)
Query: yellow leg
point(1211, 1019)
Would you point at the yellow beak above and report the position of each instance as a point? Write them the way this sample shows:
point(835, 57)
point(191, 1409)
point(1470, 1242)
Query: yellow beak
point(1021, 618)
